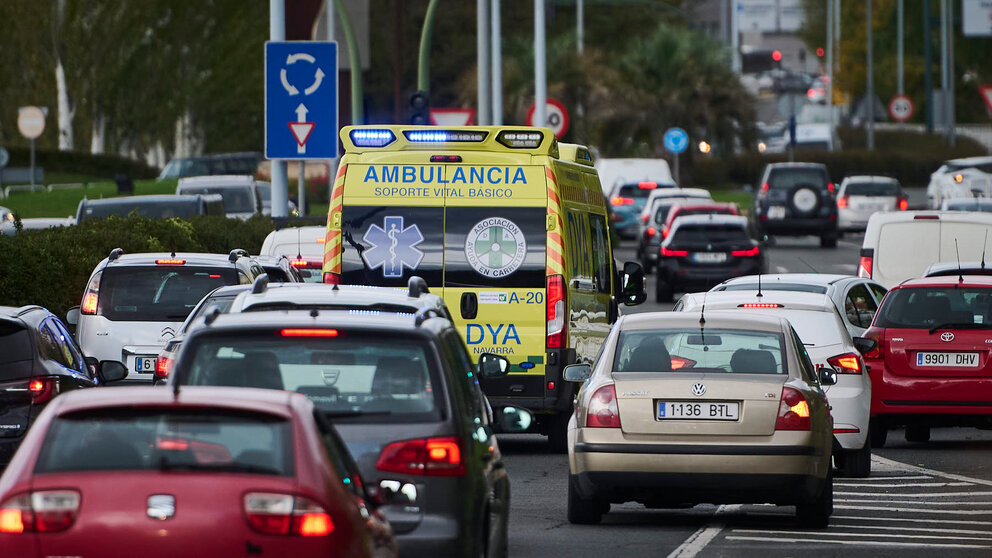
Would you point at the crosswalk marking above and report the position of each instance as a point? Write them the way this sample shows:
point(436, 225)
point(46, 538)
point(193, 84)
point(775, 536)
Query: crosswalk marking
point(834, 518)
point(913, 529)
point(911, 495)
point(907, 485)
point(858, 543)
point(882, 535)
point(913, 510)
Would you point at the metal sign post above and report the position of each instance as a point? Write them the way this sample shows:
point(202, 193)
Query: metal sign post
point(31, 123)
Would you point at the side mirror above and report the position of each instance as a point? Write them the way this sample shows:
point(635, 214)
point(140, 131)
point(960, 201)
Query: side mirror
point(828, 376)
point(111, 371)
point(632, 284)
point(578, 372)
point(493, 366)
point(514, 420)
point(864, 345)
point(72, 316)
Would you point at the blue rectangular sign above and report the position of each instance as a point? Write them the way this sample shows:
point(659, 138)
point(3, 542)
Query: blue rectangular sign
point(301, 100)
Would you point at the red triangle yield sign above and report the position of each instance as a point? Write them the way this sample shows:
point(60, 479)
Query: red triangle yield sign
point(301, 131)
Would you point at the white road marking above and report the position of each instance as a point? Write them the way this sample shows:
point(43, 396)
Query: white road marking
point(702, 537)
point(909, 520)
point(914, 510)
point(906, 467)
point(881, 535)
point(912, 502)
point(883, 478)
point(913, 529)
point(910, 484)
point(907, 495)
point(858, 543)
point(847, 267)
point(781, 269)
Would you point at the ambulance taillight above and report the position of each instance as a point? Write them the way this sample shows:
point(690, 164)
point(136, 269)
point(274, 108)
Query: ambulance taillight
point(556, 312)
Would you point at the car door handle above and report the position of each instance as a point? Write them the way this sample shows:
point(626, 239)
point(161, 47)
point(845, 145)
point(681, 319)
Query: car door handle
point(469, 306)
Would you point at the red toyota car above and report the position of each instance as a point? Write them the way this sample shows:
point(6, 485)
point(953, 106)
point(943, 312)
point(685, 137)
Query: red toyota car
point(932, 363)
point(211, 472)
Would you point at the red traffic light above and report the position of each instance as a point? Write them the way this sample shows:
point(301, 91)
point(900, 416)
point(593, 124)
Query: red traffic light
point(820, 52)
point(777, 55)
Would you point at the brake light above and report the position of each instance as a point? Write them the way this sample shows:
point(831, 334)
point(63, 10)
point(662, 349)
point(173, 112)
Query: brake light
point(162, 366)
point(864, 267)
point(432, 457)
point(43, 390)
point(299, 263)
point(830, 187)
point(283, 514)
point(673, 253)
point(309, 332)
point(170, 262)
point(927, 217)
point(878, 335)
point(620, 200)
point(332, 278)
point(644, 218)
point(793, 411)
point(44, 511)
point(556, 312)
point(446, 158)
point(603, 411)
point(760, 305)
point(664, 232)
point(647, 185)
point(749, 253)
point(682, 362)
point(842, 202)
point(92, 294)
point(847, 363)
point(764, 188)
point(903, 204)
point(652, 231)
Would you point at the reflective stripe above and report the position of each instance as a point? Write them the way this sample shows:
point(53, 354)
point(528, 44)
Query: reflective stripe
point(555, 248)
point(332, 242)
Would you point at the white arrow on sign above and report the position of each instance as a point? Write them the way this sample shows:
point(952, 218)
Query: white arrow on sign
point(301, 129)
point(300, 56)
point(286, 85)
point(318, 78)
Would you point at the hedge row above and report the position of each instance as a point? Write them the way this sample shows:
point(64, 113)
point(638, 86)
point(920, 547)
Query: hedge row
point(78, 162)
point(50, 267)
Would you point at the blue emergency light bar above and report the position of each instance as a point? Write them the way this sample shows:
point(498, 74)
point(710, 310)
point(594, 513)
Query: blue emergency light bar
point(372, 137)
point(444, 136)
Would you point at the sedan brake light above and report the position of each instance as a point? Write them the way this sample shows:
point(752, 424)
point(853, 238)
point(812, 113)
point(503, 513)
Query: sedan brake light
point(749, 253)
point(652, 231)
point(842, 202)
point(620, 200)
point(284, 514)
point(43, 511)
point(162, 366)
point(92, 295)
point(673, 253)
point(793, 411)
point(903, 204)
point(847, 363)
point(878, 336)
point(603, 411)
point(431, 457)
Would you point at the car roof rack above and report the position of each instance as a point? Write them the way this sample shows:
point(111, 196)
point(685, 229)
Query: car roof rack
point(115, 253)
point(237, 253)
point(261, 284)
point(417, 286)
point(425, 313)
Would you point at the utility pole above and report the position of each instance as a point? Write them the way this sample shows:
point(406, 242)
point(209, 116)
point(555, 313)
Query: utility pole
point(951, 124)
point(580, 24)
point(899, 39)
point(497, 68)
point(928, 64)
point(540, 73)
point(735, 37)
point(943, 65)
point(870, 96)
point(280, 178)
point(332, 164)
point(830, 59)
point(483, 77)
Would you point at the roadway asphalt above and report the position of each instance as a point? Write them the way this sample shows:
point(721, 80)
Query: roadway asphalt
point(922, 499)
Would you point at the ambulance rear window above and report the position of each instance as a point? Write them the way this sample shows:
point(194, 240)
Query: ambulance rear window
point(495, 246)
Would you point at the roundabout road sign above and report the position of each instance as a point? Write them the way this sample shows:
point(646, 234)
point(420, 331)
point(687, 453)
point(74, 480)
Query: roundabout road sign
point(676, 140)
point(556, 114)
point(901, 108)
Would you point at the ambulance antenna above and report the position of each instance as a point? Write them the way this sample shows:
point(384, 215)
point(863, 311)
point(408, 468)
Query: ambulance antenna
point(958, 255)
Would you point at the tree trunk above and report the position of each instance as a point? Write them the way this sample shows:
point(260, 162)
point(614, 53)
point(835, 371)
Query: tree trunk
point(65, 108)
point(98, 139)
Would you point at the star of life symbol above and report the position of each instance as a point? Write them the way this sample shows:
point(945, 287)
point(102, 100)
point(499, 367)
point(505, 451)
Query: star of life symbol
point(393, 247)
point(495, 247)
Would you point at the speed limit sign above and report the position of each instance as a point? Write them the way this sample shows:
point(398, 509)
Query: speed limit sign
point(556, 114)
point(901, 108)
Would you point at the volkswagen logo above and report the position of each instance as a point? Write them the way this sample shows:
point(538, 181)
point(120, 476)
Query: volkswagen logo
point(161, 506)
point(698, 389)
point(947, 336)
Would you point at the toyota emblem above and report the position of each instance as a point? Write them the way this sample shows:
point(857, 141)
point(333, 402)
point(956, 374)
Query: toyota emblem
point(698, 389)
point(161, 506)
point(947, 336)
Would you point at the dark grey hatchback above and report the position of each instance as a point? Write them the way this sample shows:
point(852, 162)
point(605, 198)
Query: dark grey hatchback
point(38, 360)
point(796, 199)
point(404, 396)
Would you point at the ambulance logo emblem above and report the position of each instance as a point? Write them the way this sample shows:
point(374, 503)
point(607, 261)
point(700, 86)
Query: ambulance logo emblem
point(495, 247)
point(393, 247)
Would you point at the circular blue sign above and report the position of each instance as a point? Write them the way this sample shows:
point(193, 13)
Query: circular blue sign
point(676, 140)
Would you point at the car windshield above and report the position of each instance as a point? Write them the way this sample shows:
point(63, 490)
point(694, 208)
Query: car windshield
point(264, 193)
point(785, 179)
point(15, 351)
point(775, 286)
point(872, 189)
point(709, 235)
point(936, 307)
point(712, 350)
point(367, 376)
point(161, 293)
point(168, 439)
point(236, 199)
point(150, 209)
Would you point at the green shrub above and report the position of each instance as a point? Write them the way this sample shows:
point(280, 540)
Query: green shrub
point(78, 162)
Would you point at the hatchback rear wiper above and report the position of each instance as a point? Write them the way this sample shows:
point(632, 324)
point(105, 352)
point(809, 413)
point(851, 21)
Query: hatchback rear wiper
point(958, 325)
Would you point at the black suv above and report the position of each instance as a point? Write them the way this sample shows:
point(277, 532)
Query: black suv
point(405, 398)
point(796, 199)
point(38, 360)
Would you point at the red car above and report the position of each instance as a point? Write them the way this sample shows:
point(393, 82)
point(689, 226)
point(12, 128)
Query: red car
point(214, 471)
point(932, 362)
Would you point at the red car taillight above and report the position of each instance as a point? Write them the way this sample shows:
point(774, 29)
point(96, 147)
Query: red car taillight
point(92, 295)
point(332, 278)
point(877, 335)
point(842, 202)
point(830, 187)
point(793, 411)
point(764, 188)
point(283, 514)
point(864, 267)
point(43, 390)
point(431, 457)
point(664, 232)
point(556, 308)
point(603, 411)
point(162, 366)
point(620, 200)
point(847, 363)
point(749, 253)
point(673, 253)
point(43, 511)
point(652, 231)
point(903, 204)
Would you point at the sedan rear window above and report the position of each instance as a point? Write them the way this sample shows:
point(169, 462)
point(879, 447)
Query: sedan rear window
point(635, 191)
point(157, 439)
point(872, 189)
point(785, 179)
point(712, 350)
point(15, 351)
point(710, 235)
point(936, 307)
point(163, 293)
point(236, 200)
point(775, 286)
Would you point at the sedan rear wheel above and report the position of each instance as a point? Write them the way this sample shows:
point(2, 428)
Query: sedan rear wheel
point(582, 511)
point(857, 463)
point(816, 514)
point(917, 433)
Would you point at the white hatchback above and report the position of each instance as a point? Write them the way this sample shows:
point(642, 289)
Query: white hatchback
point(861, 196)
point(819, 326)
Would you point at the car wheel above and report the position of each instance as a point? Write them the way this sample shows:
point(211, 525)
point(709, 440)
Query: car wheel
point(878, 433)
point(816, 514)
point(662, 291)
point(558, 433)
point(857, 463)
point(829, 241)
point(917, 433)
point(580, 510)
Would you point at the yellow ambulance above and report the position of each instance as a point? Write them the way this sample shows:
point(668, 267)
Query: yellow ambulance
point(507, 225)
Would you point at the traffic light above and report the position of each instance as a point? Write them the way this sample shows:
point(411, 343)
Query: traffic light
point(420, 108)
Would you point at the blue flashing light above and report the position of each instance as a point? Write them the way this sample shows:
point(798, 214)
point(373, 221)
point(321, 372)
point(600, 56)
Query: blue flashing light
point(527, 365)
point(444, 136)
point(371, 137)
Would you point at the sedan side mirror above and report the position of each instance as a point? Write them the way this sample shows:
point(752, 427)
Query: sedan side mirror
point(828, 376)
point(72, 316)
point(111, 371)
point(493, 366)
point(632, 284)
point(578, 372)
point(864, 345)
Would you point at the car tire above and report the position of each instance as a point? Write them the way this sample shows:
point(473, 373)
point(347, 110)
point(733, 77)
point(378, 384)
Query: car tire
point(878, 433)
point(582, 511)
point(816, 514)
point(558, 433)
point(829, 241)
point(856, 463)
point(918, 433)
point(662, 291)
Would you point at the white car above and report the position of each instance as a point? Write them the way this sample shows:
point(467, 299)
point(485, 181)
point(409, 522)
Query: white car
point(135, 303)
point(668, 197)
point(861, 196)
point(899, 245)
point(856, 298)
point(240, 192)
point(967, 204)
point(304, 246)
point(614, 172)
point(819, 326)
point(960, 178)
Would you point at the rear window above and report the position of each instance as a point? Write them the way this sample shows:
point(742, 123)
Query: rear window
point(710, 235)
point(157, 439)
point(635, 191)
point(712, 350)
point(221, 303)
point(775, 286)
point(785, 179)
point(935, 307)
point(815, 328)
point(371, 377)
point(984, 167)
point(15, 351)
point(162, 293)
point(152, 210)
point(236, 200)
point(968, 205)
point(872, 189)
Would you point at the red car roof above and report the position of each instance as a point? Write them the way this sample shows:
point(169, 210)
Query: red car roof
point(948, 281)
point(270, 401)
